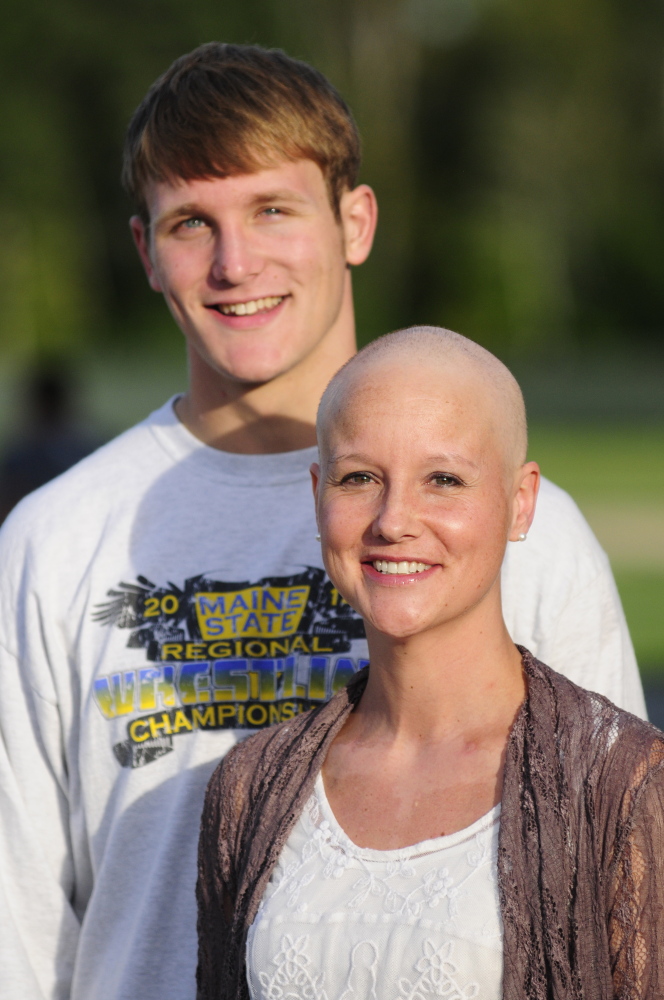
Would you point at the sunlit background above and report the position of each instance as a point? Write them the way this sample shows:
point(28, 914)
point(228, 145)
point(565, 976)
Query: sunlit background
point(517, 149)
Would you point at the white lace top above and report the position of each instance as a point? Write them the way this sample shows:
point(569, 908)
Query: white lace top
point(341, 922)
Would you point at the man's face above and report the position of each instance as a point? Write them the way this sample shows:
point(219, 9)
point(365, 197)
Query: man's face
point(253, 267)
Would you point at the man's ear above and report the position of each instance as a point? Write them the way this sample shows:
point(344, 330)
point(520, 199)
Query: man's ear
point(525, 498)
point(359, 215)
point(141, 239)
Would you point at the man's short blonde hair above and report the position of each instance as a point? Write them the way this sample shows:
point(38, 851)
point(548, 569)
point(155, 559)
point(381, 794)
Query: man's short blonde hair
point(224, 110)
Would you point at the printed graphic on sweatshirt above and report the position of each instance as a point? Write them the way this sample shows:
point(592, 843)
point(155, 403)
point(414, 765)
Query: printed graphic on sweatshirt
point(224, 655)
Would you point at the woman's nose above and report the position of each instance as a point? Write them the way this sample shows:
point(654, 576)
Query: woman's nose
point(397, 517)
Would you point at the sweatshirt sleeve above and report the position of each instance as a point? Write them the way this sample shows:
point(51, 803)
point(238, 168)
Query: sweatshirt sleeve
point(592, 624)
point(39, 925)
point(560, 601)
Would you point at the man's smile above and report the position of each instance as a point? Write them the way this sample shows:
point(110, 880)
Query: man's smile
point(249, 307)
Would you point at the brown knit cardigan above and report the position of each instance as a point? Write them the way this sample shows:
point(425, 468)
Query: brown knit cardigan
point(581, 843)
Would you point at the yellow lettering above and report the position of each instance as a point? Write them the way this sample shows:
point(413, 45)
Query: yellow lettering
point(315, 648)
point(274, 714)
point(257, 650)
point(151, 607)
point(225, 712)
point(299, 643)
point(254, 680)
point(172, 651)
point(194, 651)
point(180, 721)
point(277, 647)
point(133, 731)
point(219, 650)
point(155, 726)
point(257, 715)
point(203, 719)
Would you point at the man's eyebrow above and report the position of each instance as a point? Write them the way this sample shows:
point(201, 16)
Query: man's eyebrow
point(179, 211)
point(265, 197)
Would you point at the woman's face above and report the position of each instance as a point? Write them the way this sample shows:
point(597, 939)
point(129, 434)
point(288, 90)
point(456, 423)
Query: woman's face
point(416, 497)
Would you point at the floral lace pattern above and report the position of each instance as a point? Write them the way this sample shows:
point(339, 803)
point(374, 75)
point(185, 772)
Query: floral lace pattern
point(339, 922)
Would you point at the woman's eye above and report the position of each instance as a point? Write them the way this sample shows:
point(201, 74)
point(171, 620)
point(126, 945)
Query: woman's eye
point(442, 479)
point(357, 478)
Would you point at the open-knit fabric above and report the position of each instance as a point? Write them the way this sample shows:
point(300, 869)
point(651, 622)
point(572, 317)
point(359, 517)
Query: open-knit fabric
point(581, 843)
point(342, 922)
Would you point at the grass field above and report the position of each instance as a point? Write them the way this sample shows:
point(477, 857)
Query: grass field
point(616, 475)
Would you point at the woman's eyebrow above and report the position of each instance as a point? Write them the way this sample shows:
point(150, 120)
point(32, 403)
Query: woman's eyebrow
point(442, 458)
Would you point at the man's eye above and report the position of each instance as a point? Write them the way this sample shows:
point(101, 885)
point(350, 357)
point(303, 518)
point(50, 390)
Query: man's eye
point(193, 223)
point(271, 211)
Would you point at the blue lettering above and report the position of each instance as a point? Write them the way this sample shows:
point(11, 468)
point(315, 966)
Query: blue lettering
point(231, 680)
point(267, 672)
point(209, 607)
point(277, 602)
point(194, 682)
point(344, 671)
point(297, 596)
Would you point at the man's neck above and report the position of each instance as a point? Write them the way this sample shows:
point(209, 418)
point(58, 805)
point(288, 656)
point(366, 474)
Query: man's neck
point(268, 418)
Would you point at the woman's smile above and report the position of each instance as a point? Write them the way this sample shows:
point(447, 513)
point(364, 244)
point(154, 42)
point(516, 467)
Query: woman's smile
point(398, 572)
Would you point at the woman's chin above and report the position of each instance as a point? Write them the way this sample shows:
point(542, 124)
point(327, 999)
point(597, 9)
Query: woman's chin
point(397, 627)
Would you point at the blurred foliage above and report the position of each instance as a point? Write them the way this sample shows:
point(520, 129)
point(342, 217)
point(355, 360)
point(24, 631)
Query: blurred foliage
point(610, 463)
point(516, 149)
point(642, 595)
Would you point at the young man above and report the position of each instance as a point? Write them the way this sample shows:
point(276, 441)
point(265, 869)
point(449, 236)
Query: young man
point(167, 595)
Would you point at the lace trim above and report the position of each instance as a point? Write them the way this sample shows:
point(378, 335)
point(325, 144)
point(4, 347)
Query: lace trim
point(436, 974)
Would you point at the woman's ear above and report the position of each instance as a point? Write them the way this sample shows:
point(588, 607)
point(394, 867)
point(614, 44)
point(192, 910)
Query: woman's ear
point(315, 478)
point(359, 215)
point(525, 499)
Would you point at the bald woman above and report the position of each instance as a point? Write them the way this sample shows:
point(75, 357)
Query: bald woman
point(461, 821)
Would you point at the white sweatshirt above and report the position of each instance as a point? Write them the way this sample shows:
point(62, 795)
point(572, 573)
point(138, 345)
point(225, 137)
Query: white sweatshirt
point(157, 602)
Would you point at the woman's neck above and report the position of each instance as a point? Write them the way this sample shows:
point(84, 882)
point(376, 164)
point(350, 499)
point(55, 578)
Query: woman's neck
point(465, 675)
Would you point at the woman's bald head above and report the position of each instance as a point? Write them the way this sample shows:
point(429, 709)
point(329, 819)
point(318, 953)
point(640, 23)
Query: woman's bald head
point(461, 362)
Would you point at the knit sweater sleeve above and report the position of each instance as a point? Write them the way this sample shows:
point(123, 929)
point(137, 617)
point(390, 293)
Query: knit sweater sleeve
point(636, 887)
point(217, 878)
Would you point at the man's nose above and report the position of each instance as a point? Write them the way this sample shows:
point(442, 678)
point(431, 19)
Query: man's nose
point(396, 517)
point(235, 257)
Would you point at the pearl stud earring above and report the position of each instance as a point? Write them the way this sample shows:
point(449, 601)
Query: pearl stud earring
point(522, 537)
point(318, 538)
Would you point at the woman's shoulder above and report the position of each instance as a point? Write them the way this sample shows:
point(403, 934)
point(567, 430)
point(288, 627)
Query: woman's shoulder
point(587, 720)
point(257, 758)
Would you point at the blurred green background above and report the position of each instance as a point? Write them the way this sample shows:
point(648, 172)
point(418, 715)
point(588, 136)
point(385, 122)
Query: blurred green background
point(516, 147)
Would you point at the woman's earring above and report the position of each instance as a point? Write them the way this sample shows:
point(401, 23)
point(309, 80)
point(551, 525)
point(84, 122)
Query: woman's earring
point(522, 537)
point(318, 538)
